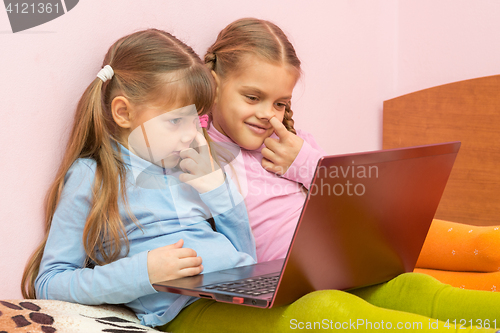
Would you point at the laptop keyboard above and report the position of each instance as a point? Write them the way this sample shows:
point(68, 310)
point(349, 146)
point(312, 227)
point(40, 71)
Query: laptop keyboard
point(252, 287)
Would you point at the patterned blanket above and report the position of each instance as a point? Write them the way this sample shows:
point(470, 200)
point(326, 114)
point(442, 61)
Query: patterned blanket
point(62, 317)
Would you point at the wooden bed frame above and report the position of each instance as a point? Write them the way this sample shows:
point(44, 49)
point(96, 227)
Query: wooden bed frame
point(466, 111)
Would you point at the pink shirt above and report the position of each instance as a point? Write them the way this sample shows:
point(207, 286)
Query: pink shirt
point(273, 202)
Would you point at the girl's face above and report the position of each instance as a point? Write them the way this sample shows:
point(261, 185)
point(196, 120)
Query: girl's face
point(159, 134)
point(246, 101)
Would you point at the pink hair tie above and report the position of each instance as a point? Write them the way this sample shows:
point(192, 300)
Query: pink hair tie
point(204, 120)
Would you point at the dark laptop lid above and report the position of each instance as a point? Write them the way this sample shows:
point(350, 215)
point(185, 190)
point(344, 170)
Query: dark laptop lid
point(365, 218)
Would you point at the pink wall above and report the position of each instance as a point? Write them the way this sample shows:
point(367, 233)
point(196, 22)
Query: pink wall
point(446, 41)
point(355, 55)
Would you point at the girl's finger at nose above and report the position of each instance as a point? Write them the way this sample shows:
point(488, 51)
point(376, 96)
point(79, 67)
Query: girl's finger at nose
point(188, 153)
point(201, 143)
point(188, 165)
point(200, 139)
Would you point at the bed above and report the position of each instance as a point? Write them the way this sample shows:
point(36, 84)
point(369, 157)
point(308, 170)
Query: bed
point(45, 316)
point(467, 111)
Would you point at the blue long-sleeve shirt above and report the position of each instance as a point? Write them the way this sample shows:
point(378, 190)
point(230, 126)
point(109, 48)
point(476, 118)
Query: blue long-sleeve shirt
point(167, 210)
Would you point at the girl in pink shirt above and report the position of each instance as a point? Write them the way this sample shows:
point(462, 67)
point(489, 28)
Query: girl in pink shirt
point(265, 191)
point(255, 68)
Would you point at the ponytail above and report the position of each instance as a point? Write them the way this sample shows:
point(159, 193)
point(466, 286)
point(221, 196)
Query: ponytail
point(210, 60)
point(90, 138)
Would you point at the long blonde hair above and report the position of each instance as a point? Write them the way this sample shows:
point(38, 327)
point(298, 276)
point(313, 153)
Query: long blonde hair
point(256, 37)
point(140, 62)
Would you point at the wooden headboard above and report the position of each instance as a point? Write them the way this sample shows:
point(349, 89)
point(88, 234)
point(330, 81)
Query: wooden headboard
point(466, 111)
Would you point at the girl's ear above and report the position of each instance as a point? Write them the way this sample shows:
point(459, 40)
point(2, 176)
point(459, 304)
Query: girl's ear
point(217, 85)
point(121, 110)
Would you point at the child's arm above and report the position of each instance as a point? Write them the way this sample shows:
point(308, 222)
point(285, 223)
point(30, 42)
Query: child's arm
point(294, 157)
point(304, 165)
point(62, 274)
point(231, 219)
point(220, 195)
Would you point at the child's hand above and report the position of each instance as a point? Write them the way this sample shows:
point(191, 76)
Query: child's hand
point(280, 153)
point(172, 262)
point(201, 171)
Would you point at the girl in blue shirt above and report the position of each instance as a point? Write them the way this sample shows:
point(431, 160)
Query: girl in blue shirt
point(132, 200)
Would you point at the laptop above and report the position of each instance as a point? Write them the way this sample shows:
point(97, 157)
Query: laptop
point(364, 221)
